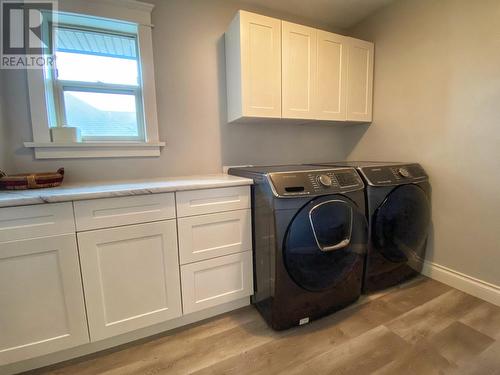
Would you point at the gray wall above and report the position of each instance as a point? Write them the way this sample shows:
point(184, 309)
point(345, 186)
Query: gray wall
point(437, 79)
point(3, 130)
point(437, 101)
point(190, 82)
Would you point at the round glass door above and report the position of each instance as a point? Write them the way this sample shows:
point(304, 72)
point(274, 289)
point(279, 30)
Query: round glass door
point(323, 242)
point(401, 224)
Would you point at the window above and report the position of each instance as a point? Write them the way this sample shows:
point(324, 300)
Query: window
point(97, 84)
point(102, 83)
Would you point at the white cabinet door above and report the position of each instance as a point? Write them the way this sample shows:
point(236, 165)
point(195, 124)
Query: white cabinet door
point(130, 277)
point(332, 77)
point(299, 71)
point(41, 298)
point(253, 66)
point(216, 281)
point(359, 80)
point(209, 236)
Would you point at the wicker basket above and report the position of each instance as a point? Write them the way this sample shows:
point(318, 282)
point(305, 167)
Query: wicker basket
point(31, 181)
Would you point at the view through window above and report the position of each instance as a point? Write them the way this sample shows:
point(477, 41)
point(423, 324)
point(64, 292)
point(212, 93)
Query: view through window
point(97, 85)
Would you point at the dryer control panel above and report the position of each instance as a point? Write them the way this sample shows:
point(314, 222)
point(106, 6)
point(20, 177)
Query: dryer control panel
point(315, 182)
point(398, 174)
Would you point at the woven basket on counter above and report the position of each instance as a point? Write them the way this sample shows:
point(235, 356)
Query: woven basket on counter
point(25, 181)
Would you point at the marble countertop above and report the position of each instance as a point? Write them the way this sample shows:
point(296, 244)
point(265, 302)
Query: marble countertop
point(74, 192)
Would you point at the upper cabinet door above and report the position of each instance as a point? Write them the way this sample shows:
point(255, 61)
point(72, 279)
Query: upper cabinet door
point(359, 80)
point(253, 67)
point(332, 77)
point(299, 71)
point(277, 69)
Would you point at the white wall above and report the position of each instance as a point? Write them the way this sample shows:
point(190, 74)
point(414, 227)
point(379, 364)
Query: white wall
point(437, 101)
point(190, 82)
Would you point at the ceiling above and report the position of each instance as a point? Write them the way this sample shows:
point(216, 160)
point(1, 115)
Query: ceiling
point(333, 13)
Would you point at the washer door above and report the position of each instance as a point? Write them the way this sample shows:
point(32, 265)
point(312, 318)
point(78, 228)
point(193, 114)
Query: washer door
point(324, 242)
point(401, 225)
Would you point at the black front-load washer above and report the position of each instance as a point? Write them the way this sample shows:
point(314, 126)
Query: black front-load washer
point(399, 214)
point(309, 239)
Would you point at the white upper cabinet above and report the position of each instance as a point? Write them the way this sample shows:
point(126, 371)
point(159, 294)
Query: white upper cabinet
point(278, 69)
point(253, 67)
point(298, 71)
point(332, 77)
point(359, 80)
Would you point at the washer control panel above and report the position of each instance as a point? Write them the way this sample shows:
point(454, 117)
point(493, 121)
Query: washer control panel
point(325, 180)
point(315, 182)
point(393, 174)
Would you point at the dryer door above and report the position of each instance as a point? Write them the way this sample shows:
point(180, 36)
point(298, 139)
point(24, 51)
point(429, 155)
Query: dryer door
point(401, 224)
point(324, 242)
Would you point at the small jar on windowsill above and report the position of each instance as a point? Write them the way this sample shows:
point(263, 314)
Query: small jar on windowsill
point(66, 134)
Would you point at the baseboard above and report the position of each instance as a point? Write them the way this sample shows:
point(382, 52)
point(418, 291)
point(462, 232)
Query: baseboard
point(468, 284)
point(94, 347)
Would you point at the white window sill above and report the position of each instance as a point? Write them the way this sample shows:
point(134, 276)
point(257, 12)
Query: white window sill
point(94, 149)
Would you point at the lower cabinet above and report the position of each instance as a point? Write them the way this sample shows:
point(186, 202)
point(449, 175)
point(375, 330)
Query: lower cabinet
point(208, 236)
point(130, 277)
point(62, 289)
point(41, 299)
point(212, 282)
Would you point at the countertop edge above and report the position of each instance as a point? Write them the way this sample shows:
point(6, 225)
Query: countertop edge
point(30, 197)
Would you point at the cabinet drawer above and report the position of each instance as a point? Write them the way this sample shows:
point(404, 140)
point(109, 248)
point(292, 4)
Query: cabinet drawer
point(114, 212)
point(216, 281)
point(209, 236)
point(17, 223)
point(130, 277)
point(199, 202)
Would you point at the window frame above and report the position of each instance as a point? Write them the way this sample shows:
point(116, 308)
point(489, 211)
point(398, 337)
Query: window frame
point(129, 15)
point(62, 86)
point(59, 86)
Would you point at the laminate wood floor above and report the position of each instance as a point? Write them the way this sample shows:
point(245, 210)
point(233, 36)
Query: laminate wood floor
point(422, 327)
